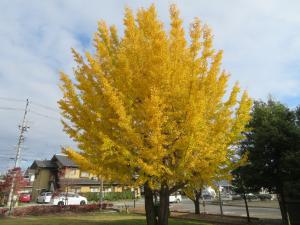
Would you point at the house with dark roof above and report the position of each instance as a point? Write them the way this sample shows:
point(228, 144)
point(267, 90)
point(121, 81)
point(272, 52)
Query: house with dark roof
point(61, 174)
point(43, 172)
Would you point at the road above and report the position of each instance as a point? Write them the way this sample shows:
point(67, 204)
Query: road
point(187, 206)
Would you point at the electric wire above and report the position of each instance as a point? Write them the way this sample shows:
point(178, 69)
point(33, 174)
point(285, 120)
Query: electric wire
point(11, 108)
point(43, 115)
point(44, 106)
point(12, 99)
point(31, 102)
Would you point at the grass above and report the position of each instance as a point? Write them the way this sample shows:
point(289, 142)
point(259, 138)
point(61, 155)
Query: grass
point(90, 219)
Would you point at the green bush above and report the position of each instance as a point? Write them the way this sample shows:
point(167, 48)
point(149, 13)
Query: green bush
point(114, 196)
point(92, 196)
point(110, 196)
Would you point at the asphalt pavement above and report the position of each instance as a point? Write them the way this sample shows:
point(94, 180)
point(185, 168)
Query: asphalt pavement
point(188, 206)
point(259, 212)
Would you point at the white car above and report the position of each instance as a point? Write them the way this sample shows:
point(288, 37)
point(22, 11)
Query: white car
point(176, 197)
point(44, 197)
point(68, 199)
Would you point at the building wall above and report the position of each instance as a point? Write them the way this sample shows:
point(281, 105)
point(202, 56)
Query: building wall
point(42, 178)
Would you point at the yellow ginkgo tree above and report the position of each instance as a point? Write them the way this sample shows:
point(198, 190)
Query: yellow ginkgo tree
point(149, 108)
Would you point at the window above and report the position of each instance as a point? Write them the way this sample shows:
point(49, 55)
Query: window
point(84, 174)
point(32, 177)
point(107, 190)
point(72, 171)
point(75, 189)
point(94, 189)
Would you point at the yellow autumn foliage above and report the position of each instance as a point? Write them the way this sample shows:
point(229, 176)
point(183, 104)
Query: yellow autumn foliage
point(151, 104)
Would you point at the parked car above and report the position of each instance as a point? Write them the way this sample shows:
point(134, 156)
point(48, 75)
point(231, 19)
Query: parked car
point(25, 197)
point(68, 199)
point(236, 197)
point(226, 196)
point(251, 197)
point(264, 197)
point(176, 197)
point(44, 197)
point(207, 196)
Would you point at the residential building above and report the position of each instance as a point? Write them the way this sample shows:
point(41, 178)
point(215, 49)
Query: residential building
point(63, 174)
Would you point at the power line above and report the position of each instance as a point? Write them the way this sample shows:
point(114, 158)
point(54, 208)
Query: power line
point(11, 108)
point(12, 99)
point(31, 111)
point(31, 102)
point(44, 106)
point(43, 115)
point(12, 158)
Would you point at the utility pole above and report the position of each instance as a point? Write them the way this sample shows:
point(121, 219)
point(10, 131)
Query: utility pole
point(23, 129)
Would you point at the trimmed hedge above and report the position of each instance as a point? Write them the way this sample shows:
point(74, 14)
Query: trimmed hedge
point(110, 196)
point(50, 209)
point(91, 196)
point(114, 196)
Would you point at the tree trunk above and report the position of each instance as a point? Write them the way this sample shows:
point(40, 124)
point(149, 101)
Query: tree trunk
point(197, 206)
point(197, 201)
point(246, 205)
point(149, 206)
point(283, 209)
point(164, 205)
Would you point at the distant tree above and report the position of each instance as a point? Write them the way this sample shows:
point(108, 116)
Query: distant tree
point(20, 182)
point(194, 192)
point(272, 147)
point(195, 187)
point(241, 177)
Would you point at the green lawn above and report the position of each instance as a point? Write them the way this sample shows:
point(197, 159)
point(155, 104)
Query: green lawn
point(89, 219)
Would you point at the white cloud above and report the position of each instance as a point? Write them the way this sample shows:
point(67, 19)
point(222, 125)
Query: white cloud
point(260, 39)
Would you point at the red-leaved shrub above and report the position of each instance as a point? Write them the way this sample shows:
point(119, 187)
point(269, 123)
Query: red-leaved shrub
point(3, 211)
point(50, 209)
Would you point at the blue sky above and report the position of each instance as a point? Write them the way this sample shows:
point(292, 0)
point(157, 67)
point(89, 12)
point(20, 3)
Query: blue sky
point(261, 40)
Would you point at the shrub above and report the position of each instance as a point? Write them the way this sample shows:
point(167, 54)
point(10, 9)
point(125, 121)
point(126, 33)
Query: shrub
point(50, 209)
point(114, 196)
point(3, 211)
point(92, 196)
point(110, 196)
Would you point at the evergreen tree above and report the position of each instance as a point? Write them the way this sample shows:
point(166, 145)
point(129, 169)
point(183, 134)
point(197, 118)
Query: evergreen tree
point(273, 149)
